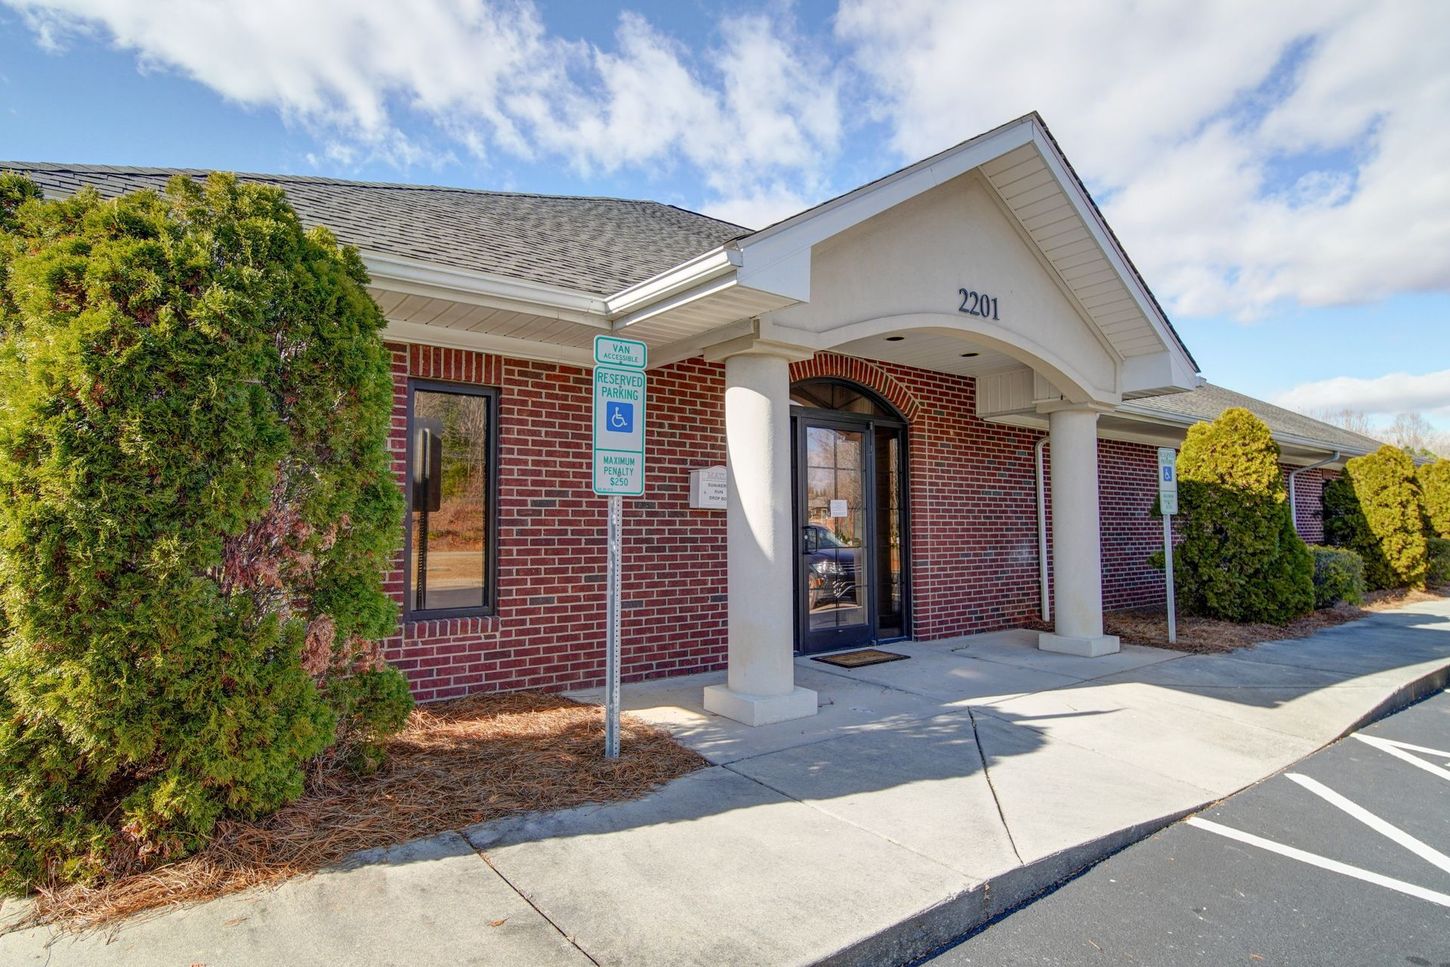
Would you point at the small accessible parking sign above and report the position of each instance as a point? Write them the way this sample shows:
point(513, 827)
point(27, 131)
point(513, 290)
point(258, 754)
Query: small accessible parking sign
point(1167, 481)
point(620, 400)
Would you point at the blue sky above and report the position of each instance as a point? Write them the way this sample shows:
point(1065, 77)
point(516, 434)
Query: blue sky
point(1281, 186)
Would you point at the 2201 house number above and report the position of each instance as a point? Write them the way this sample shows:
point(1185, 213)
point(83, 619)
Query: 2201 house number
point(978, 304)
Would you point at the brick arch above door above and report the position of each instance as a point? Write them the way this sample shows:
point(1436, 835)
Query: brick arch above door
point(862, 372)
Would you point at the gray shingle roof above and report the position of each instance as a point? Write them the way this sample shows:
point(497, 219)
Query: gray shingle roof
point(594, 245)
point(1208, 401)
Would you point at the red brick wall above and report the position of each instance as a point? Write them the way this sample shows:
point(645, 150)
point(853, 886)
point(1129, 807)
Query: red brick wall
point(1128, 486)
point(973, 524)
point(1309, 501)
point(548, 626)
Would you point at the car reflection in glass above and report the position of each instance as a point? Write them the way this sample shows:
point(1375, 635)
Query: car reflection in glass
point(831, 569)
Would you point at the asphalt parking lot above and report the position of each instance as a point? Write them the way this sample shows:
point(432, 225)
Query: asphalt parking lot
point(1340, 859)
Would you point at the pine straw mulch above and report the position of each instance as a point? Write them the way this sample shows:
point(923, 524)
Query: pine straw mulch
point(455, 764)
point(1204, 636)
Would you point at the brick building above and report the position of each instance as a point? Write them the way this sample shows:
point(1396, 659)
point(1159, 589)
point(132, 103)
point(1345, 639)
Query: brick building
point(937, 399)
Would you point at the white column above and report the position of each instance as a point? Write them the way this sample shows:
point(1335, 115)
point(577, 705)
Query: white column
point(1077, 570)
point(760, 545)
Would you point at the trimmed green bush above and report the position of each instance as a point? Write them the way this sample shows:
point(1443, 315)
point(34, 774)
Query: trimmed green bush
point(1437, 571)
point(1374, 508)
point(1338, 576)
point(196, 509)
point(1434, 480)
point(1240, 558)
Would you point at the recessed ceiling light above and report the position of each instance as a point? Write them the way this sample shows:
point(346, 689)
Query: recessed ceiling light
point(970, 355)
point(895, 338)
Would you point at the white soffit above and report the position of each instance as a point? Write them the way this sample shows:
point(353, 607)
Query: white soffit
point(448, 316)
point(1032, 192)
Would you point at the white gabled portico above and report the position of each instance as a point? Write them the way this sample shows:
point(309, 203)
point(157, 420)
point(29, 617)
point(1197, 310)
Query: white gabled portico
point(1057, 329)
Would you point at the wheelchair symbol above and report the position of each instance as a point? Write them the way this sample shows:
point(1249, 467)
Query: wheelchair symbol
point(619, 417)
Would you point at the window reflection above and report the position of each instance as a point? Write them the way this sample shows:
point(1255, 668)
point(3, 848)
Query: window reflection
point(835, 491)
point(450, 494)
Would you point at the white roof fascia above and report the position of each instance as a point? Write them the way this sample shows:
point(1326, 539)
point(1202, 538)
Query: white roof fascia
point(429, 279)
point(688, 275)
point(704, 290)
point(1116, 257)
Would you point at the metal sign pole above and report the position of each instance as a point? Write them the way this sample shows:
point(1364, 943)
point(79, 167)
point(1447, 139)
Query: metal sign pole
point(620, 404)
point(611, 649)
point(1168, 571)
point(1168, 506)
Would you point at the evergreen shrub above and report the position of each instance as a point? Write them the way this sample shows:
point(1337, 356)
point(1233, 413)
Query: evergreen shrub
point(1437, 569)
point(1240, 558)
point(1338, 576)
point(196, 509)
point(1374, 508)
point(1434, 480)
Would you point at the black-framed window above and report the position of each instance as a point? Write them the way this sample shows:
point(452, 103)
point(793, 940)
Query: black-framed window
point(448, 555)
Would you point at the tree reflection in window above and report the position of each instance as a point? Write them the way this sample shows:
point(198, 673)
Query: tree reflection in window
point(450, 443)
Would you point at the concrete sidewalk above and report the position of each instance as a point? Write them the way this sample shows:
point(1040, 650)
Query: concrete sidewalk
point(927, 796)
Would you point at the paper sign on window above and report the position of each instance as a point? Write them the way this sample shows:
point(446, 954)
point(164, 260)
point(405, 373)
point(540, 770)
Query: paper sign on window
point(838, 509)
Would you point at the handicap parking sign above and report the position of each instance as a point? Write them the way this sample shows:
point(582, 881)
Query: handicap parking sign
point(619, 417)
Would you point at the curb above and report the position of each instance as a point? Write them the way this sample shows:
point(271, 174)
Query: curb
point(1403, 697)
point(938, 927)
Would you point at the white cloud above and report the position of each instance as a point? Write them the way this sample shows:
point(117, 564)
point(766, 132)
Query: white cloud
point(757, 108)
point(1177, 116)
point(1384, 396)
point(759, 208)
point(1249, 154)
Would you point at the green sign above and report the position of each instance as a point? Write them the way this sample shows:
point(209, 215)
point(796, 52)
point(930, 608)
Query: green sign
point(625, 353)
point(619, 422)
point(1167, 481)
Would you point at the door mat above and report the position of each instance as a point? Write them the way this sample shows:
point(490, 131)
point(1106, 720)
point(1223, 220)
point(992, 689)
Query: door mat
point(861, 658)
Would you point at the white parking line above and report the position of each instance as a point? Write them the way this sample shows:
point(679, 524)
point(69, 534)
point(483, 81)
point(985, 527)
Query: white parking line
point(1324, 863)
point(1397, 749)
point(1420, 848)
point(1437, 753)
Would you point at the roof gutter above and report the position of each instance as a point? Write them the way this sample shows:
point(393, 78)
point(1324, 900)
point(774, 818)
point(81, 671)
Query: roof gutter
point(1145, 415)
point(431, 280)
point(1293, 501)
point(708, 267)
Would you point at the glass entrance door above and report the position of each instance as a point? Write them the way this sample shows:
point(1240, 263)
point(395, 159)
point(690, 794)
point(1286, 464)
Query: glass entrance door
point(835, 567)
point(850, 513)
